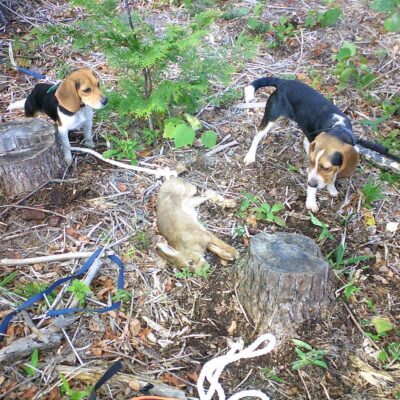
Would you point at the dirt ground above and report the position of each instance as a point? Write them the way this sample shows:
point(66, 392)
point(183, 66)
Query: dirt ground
point(96, 204)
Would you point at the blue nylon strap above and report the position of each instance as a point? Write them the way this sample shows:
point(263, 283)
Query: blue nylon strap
point(115, 368)
point(31, 73)
point(34, 299)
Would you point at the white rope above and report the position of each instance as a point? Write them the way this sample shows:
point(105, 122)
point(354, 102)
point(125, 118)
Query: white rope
point(213, 368)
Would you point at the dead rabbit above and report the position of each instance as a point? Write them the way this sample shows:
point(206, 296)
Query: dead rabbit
point(177, 222)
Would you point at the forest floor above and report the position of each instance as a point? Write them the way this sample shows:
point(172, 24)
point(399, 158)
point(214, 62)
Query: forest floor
point(96, 204)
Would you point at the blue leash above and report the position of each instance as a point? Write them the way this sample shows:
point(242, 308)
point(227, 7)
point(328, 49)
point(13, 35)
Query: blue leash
point(28, 71)
point(37, 297)
point(115, 368)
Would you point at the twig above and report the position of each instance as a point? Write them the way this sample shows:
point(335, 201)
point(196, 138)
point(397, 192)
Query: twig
point(7, 262)
point(137, 383)
point(222, 147)
point(33, 208)
point(166, 172)
point(304, 384)
point(358, 326)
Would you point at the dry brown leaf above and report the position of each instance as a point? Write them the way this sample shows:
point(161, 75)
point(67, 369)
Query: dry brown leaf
point(172, 380)
point(122, 187)
point(134, 327)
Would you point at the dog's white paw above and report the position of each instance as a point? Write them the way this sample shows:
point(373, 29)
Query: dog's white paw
point(312, 205)
point(332, 191)
point(249, 159)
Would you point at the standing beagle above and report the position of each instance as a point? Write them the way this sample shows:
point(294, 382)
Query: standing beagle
point(329, 140)
point(70, 105)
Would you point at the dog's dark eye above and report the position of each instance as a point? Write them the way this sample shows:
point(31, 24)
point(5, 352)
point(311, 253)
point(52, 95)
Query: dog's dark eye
point(325, 168)
point(190, 263)
point(88, 90)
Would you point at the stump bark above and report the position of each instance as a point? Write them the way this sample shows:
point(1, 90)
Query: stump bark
point(29, 156)
point(283, 281)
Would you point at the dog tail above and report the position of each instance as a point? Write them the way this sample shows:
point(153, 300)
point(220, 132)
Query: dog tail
point(16, 105)
point(379, 148)
point(250, 90)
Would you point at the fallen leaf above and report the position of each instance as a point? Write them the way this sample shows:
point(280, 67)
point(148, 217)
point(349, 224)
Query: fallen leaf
point(193, 376)
point(32, 215)
point(232, 328)
point(134, 327)
point(172, 380)
point(121, 187)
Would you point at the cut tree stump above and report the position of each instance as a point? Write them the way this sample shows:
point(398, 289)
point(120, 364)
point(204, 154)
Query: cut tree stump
point(29, 156)
point(283, 281)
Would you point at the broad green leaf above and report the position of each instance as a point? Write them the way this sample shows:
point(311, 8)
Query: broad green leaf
point(297, 365)
point(383, 356)
point(383, 5)
point(30, 370)
point(183, 136)
point(194, 122)
point(279, 221)
point(8, 278)
point(209, 139)
point(340, 253)
point(320, 363)
point(381, 325)
point(392, 24)
point(349, 290)
point(277, 207)
point(331, 16)
point(315, 221)
point(300, 343)
point(109, 153)
point(170, 126)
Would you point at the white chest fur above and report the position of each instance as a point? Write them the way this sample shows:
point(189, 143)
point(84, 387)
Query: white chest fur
point(75, 121)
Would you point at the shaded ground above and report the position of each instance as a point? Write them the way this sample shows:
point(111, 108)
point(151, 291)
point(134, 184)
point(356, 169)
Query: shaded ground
point(102, 205)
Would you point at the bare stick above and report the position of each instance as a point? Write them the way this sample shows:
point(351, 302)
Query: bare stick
point(379, 159)
point(136, 383)
point(166, 172)
point(7, 262)
point(222, 147)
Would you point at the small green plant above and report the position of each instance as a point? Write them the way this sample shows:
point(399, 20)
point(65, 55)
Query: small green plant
point(283, 30)
point(351, 69)
point(30, 370)
point(261, 210)
point(240, 230)
point(73, 394)
point(311, 357)
point(324, 19)
point(267, 212)
point(201, 272)
point(122, 295)
point(257, 26)
point(183, 133)
point(371, 193)
point(350, 288)
point(382, 327)
point(234, 13)
point(29, 289)
point(390, 355)
point(122, 147)
point(389, 108)
point(336, 258)
point(143, 240)
point(391, 8)
point(271, 374)
point(80, 290)
point(325, 234)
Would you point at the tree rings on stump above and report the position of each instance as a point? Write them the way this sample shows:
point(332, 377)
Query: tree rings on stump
point(29, 156)
point(283, 281)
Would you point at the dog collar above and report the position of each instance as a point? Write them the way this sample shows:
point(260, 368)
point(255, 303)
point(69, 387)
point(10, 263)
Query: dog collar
point(53, 88)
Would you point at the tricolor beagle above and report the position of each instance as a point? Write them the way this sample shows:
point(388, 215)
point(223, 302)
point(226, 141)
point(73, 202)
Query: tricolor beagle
point(329, 139)
point(69, 104)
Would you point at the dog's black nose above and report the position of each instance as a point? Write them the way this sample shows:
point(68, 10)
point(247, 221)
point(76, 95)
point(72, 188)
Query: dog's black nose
point(312, 183)
point(104, 101)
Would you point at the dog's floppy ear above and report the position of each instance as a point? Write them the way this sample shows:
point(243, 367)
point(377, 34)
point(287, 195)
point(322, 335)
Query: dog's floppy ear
point(349, 161)
point(67, 95)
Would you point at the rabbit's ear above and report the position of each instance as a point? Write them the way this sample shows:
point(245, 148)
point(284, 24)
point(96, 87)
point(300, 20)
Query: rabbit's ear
point(167, 250)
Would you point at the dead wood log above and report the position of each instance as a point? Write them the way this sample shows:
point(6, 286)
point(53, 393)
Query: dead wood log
point(29, 156)
point(136, 383)
point(283, 281)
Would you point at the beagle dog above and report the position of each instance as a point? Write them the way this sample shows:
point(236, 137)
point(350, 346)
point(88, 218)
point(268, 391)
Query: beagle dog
point(70, 104)
point(329, 139)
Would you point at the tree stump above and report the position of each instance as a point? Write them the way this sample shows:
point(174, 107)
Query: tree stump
point(29, 156)
point(283, 281)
